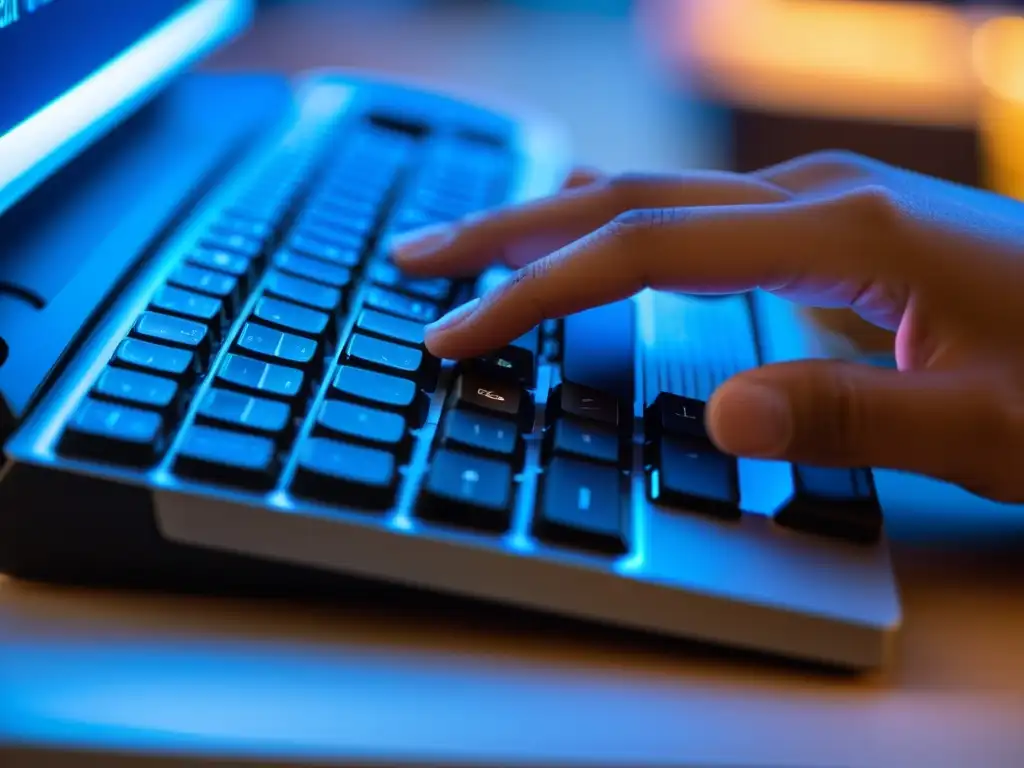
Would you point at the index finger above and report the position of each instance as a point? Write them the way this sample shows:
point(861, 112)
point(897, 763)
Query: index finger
point(516, 235)
point(698, 250)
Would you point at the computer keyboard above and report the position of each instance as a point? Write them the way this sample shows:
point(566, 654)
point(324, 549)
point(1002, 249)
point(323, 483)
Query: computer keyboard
point(265, 380)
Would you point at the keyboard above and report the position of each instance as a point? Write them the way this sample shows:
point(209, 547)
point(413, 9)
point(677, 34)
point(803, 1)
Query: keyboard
point(261, 389)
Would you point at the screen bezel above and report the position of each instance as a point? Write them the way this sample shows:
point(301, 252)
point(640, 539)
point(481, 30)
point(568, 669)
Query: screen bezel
point(40, 145)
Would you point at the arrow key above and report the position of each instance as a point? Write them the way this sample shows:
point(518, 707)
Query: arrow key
point(467, 492)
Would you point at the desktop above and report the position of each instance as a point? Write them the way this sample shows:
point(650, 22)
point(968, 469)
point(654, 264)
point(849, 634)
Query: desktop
point(215, 375)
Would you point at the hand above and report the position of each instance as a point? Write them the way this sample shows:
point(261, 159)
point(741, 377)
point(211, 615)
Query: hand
point(939, 264)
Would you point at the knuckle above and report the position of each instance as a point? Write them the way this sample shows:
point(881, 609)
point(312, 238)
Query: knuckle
point(877, 208)
point(839, 159)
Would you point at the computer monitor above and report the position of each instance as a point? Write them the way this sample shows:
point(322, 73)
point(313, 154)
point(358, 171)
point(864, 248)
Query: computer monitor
point(72, 69)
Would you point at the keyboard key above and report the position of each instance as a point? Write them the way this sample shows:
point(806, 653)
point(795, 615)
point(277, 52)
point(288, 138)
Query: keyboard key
point(233, 264)
point(345, 475)
point(390, 327)
point(467, 491)
point(142, 390)
point(835, 502)
point(233, 242)
point(114, 433)
point(254, 229)
point(304, 292)
point(355, 222)
point(244, 412)
point(675, 415)
point(175, 363)
point(343, 255)
point(389, 276)
point(480, 433)
point(598, 349)
point(583, 505)
point(388, 357)
point(360, 423)
point(517, 361)
point(217, 284)
point(583, 440)
point(344, 239)
point(496, 397)
point(292, 317)
point(692, 475)
point(278, 346)
point(238, 371)
point(381, 390)
point(576, 401)
point(402, 306)
point(312, 269)
point(229, 458)
point(154, 326)
point(192, 306)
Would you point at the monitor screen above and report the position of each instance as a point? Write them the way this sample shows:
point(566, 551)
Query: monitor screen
point(70, 68)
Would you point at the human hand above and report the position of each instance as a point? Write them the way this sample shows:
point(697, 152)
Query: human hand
point(940, 264)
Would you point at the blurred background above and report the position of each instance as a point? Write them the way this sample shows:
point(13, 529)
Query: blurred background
point(657, 85)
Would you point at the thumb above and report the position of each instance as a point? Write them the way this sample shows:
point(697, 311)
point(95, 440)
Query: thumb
point(833, 413)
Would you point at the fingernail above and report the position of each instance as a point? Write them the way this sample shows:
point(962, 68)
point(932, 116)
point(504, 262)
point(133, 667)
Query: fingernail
point(420, 242)
point(455, 317)
point(748, 419)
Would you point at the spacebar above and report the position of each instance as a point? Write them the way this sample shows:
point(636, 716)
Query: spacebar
point(599, 349)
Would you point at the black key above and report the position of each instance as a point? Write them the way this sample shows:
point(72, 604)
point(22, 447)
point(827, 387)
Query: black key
point(238, 371)
point(381, 390)
point(583, 505)
point(467, 491)
point(518, 360)
point(835, 502)
point(344, 256)
point(402, 306)
point(391, 358)
point(304, 292)
point(344, 239)
point(598, 349)
point(255, 230)
point(114, 433)
point(292, 317)
point(675, 415)
point(480, 433)
point(277, 346)
point(383, 429)
point(229, 458)
point(175, 363)
point(497, 397)
point(391, 327)
point(354, 222)
point(692, 475)
point(192, 306)
point(583, 440)
point(233, 264)
point(218, 284)
point(233, 242)
point(345, 475)
point(312, 269)
point(245, 412)
point(339, 207)
point(142, 390)
point(388, 275)
point(154, 326)
point(576, 401)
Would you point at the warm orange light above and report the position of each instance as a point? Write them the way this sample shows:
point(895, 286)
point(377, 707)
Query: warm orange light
point(844, 57)
point(998, 56)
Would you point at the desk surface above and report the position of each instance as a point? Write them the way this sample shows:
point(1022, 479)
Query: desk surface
point(368, 676)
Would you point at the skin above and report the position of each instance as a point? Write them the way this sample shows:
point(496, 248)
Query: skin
point(939, 264)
